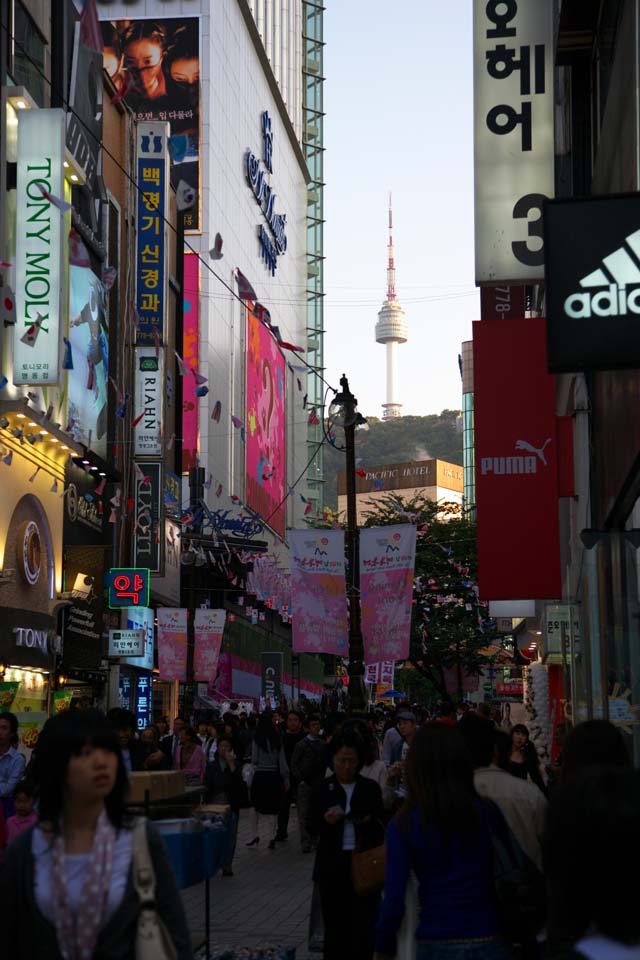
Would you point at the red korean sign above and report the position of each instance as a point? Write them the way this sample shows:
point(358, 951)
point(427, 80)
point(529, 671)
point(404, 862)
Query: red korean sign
point(516, 462)
point(128, 587)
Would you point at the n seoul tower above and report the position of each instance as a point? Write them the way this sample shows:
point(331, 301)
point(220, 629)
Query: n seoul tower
point(391, 329)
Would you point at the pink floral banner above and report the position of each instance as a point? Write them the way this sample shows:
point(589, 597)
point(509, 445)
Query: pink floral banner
point(172, 643)
point(387, 563)
point(318, 592)
point(208, 627)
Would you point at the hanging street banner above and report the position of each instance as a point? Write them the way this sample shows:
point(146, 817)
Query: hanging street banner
point(153, 206)
point(318, 592)
point(190, 355)
point(208, 628)
point(516, 461)
point(147, 548)
point(172, 643)
point(39, 247)
point(387, 563)
point(272, 669)
point(149, 393)
point(382, 673)
point(514, 114)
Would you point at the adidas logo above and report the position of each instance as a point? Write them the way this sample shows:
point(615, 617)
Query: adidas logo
point(619, 270)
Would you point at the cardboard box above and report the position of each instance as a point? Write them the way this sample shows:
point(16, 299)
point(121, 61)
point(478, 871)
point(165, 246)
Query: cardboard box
point(162, 785)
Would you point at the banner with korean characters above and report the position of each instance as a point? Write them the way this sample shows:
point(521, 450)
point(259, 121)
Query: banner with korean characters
point(151, 246)
point(318, 592)
point(172, 643)
point(513, 136)
point(149, 394)
point(382, 673)
point(387, 563)
point(208, 628)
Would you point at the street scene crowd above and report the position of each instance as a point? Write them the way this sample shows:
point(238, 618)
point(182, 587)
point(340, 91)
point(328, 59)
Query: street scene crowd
point(437, 835)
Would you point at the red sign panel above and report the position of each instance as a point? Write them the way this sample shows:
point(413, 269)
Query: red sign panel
point(516, 462)
point(502, 303)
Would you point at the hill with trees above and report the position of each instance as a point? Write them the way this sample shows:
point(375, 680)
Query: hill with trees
point(394, 441)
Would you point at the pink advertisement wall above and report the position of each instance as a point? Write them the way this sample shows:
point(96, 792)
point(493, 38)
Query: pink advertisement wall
point(191, 324)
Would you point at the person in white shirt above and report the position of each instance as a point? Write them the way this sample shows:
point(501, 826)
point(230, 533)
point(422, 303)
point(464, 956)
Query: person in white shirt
point(12, 763)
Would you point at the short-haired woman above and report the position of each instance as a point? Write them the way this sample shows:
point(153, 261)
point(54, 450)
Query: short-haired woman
point(66, 887)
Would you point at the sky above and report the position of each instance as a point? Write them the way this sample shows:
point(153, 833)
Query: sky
point(399, 117)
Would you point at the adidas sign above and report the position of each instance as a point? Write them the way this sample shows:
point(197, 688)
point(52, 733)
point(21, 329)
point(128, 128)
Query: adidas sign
point(619, 270)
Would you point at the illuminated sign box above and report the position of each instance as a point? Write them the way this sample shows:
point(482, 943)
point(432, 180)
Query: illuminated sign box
point(128, 587)
point(126, 643)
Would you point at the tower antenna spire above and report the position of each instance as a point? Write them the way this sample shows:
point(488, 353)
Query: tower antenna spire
point(391, 267)
point(391, 330)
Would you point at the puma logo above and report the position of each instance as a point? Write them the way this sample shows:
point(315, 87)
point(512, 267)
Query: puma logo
point(523, 445)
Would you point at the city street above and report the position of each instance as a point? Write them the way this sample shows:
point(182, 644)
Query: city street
point(266, 901)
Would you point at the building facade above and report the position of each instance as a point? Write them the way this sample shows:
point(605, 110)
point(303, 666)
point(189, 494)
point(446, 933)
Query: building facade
point(436, 480)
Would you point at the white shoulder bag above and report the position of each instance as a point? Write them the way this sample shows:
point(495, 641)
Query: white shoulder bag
point(153, 940)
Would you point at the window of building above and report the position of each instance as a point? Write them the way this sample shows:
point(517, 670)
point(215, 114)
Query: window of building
point(28, 54)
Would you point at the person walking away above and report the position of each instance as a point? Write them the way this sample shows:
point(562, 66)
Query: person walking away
point(407, 727)
point(224, 785)
point(447, 714)
point(593, 916)
point(291, 737)
point(12, 763)
point(134, 753)
point(443, 833)
point(189, 757)
point(308, 766)
point(522, 805)
point(271, 777)
point(67, 884)
point(523, 760)
point(390, 739)
point(24, 817)
point(594, 743)
point(346, 810)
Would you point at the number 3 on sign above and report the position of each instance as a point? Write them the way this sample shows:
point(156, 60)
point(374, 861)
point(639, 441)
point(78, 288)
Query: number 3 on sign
point(522, 249)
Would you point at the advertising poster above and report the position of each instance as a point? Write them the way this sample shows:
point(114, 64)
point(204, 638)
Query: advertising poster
point(157, 63)
point(142, 618)
point(190, 329)
point(172, 643)
point(208, 628)
point(387, 562)
point(265, 426)
point(89, 337)
point(318, 591)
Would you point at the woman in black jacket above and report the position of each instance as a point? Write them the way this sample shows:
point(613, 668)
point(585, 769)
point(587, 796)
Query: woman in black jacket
point(523, 760)
point(66, 886)
point(224, 782)
point(346, 811)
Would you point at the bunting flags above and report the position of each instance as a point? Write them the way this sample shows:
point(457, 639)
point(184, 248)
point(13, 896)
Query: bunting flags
point(90, 32)
point(61, 205)
point(183, 370)
point(8, 307)
point(216, 250)
point(30, 335)
point(217, 411)
point(245, 290)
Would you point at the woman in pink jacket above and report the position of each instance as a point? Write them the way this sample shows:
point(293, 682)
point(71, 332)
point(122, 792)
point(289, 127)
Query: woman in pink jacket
point(189, 757)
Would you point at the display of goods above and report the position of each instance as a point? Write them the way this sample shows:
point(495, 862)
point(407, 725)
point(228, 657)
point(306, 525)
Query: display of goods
point(8, 690)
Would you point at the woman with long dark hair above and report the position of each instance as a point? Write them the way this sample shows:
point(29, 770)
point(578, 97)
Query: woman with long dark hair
point(190, 757)
point(270, 779)
point(523, 760)
point(442, 833)
point(67, 884)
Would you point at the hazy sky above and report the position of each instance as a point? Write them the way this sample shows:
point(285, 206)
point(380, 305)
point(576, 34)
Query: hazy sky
point(399, 116)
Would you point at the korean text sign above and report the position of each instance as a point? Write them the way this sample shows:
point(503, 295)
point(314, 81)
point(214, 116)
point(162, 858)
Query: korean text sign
point(265, 426)
point(318, 592)
point(516, 462)
point(514, 136)
point(128, 587)
point(190, 339)
point(172, 643)
point(150, 250)
point(40, 228)
point(150, 391)
point(387, 563)
point(208, 628)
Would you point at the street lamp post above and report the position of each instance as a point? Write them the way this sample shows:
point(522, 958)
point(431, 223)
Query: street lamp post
point(347, 404)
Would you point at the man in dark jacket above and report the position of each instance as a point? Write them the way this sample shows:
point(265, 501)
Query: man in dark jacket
point(291, 737)
point(308, 766)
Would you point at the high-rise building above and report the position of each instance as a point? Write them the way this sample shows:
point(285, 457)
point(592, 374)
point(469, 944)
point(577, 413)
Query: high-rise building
point(391, 329)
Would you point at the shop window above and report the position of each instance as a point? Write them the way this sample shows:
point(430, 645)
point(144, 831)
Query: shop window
point(28, 54)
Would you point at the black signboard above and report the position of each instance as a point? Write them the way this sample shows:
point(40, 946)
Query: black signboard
point(147, 550)
point(593, 283)
point(271, 663)
point(84, 509)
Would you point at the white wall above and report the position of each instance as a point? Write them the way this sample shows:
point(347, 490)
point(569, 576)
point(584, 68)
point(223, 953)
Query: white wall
point(279, 24)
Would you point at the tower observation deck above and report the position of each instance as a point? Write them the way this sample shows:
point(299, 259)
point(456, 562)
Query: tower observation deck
point(391, 329)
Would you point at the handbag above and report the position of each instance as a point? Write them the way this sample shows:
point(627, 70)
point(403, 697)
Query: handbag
point(368, 869)
point(519, 885)
point(153, 940)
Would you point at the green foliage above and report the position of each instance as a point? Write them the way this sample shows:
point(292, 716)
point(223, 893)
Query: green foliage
point(396, 441)
point(449, 625)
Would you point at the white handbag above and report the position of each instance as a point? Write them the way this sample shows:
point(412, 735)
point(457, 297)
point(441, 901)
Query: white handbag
point(153, 940)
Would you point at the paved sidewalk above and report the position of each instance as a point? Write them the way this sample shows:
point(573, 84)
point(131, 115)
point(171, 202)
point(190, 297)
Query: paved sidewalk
point(266, 901)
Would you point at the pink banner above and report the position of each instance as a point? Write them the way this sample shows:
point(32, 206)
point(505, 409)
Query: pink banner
point(265, 426)
point(318, 591)
point(191, 324)
point(172, 643)
point(387, 562)
point(208, 627)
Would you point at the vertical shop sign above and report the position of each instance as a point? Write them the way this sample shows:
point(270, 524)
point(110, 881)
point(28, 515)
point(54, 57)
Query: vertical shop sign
point(514, 136)
point(318, 592)
point(142, 618)
point(172, 643)
point(143, 703)
point(39, 247)
point(387, 563)
point(516, 462)
point(208, 628)
point(272, 669)
point(152, 139)
point(387, 674)
point(190, 335)
point(147, 511)
point(150, 388)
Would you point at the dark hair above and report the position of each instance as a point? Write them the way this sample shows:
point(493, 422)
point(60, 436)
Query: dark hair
point(63, 737)
point(154, 730)
point(593, 743)
point(368, 745)
point(446, 708)
point(479, 735)
point(312, 718)
point(145, 30)
point(191, 734)
point(503, 745)
point(352, 741)
point(12, 720)
point(267, 737)
point(121, 719)
point(589, 818)
point(296, 713)
point(25, 787)
point(440, 780)
point(520, 728)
